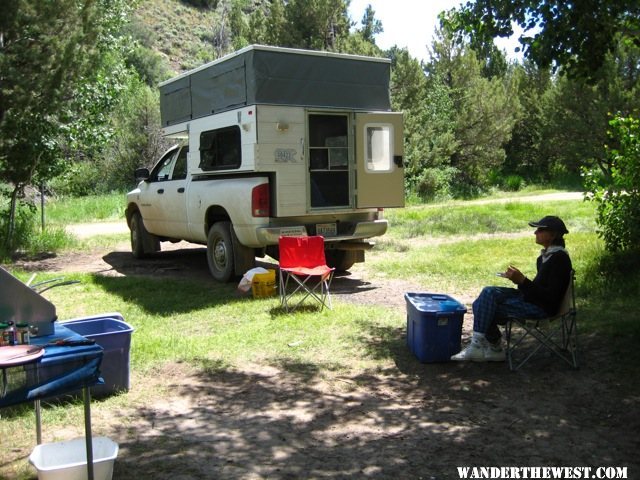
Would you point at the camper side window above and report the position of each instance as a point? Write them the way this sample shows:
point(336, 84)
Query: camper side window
point(379, 147)
point(220, 149)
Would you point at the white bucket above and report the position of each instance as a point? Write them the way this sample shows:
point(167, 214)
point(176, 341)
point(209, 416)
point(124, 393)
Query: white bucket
point(68, 460)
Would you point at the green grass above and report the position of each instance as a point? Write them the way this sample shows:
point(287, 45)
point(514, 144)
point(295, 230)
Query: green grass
point(439, 247)
point(177, 320)
point(472, 219)
point(94, 208)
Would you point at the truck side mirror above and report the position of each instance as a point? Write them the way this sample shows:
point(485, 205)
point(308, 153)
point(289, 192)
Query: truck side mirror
point(141, 174)
point(397, 159)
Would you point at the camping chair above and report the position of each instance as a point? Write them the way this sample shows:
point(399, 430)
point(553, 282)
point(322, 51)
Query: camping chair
point(302, 260)
point(558, 333)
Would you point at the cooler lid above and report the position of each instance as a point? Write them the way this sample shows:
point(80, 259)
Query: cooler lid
point(434, 302)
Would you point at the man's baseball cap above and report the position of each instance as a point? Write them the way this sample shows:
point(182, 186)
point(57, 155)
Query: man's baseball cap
point(552, 223)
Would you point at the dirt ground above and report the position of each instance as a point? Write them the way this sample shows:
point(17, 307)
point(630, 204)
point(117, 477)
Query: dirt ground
point(406, 421)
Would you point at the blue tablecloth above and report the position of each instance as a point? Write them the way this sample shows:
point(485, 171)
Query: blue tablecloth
point(60, 370)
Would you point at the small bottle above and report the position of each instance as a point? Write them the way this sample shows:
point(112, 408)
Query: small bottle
point(22, 333)
point(4, 334)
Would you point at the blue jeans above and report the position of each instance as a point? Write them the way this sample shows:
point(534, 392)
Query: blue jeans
point(495, 304)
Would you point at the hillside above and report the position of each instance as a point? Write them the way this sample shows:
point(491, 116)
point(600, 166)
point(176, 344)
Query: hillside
point(184, 35)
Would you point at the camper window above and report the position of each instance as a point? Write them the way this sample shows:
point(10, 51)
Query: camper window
point(220, 149)
point(379, 147)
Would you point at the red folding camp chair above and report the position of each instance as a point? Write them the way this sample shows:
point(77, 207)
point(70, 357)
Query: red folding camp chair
point(302, 260)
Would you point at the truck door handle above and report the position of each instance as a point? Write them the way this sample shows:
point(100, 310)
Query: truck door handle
point(161, 190)
point(181, 190)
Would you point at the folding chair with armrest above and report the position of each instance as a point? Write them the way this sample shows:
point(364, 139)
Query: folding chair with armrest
point(557, 334)
point(302, 259)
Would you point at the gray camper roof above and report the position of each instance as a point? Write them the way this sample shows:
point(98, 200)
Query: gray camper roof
point(278, 76)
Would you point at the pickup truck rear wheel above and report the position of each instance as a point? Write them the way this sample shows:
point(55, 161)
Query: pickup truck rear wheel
point(220, 251)
point(341, 260)
point(142, 242)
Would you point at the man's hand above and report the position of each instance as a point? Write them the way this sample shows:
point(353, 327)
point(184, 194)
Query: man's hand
point(515, 275)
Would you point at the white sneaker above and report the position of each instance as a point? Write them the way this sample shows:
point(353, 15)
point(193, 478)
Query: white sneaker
point(473, 353)
point(480, 352)
point(494, 353)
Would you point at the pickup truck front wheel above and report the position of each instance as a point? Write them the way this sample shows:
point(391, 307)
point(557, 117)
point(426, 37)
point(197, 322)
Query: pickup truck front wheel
point(220, 251)
point(142, 242)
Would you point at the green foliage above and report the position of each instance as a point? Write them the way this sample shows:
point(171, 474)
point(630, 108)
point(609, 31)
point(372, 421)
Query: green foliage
point(371, 26)
point(60, 74)
point(428, 126)
point(308, 24)
point(136, 141)
point(78, 179)
point(202, 3)
point(574, 35)
point(618, 195)
point(526, 155)
point(478, 115)
point(513, 183)
point(137, 138)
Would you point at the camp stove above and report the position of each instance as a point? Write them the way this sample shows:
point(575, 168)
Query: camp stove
point(21, 303)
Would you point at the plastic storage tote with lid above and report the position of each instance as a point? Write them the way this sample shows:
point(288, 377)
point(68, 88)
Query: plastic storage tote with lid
point(434, 326)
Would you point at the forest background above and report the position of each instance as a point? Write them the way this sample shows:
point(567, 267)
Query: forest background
point(79, 106)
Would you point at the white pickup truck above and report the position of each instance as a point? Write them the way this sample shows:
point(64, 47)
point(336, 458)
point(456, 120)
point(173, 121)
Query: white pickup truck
point(271, 142)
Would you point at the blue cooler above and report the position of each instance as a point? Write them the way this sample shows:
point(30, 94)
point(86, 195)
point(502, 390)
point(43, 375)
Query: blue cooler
point(113, 334)
point(434, 326)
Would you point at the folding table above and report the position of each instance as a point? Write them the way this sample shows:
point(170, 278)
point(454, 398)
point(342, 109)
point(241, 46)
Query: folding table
point(61, 369)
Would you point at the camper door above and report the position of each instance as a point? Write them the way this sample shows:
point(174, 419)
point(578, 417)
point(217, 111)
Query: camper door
point(379, 157)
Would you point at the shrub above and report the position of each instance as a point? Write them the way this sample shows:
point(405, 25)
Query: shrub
point(513, 183)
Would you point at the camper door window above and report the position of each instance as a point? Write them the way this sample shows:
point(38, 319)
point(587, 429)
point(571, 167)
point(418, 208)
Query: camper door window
point(379, 147)
point(220, 149)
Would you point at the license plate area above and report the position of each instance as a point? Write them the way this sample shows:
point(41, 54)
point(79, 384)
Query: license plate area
point(326, 229)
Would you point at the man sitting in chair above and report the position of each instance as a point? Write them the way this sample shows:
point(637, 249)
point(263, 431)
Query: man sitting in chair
point(537, 298)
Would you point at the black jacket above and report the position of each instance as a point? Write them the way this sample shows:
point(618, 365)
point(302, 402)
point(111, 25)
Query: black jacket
point(550, 284)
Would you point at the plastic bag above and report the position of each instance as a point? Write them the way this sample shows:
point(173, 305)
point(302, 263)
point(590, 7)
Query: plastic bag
point(245, 282)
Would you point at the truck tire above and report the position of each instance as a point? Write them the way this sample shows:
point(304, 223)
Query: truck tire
point(220, 251)
point(142, 242)
point(341, 260)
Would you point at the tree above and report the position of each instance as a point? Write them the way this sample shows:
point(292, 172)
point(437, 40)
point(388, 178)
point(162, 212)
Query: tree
point(50, 55)
point(618, 199)
point(308, 24)
point(524, 151)
point(574, 35)
point(371, 26)
point(578, 113)
point(484, 111)
point(317, 24)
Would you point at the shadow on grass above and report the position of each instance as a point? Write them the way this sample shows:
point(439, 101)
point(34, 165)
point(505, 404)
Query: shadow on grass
point(409, 421)
point(403, 420)
point(166, 295)
point(180, 281)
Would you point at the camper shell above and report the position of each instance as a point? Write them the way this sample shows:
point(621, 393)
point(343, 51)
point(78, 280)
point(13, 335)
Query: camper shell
point(276, 141)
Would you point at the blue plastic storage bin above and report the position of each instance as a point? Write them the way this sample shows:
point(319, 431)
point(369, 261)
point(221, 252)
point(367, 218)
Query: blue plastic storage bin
point(434, 326)
point(113, 334)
